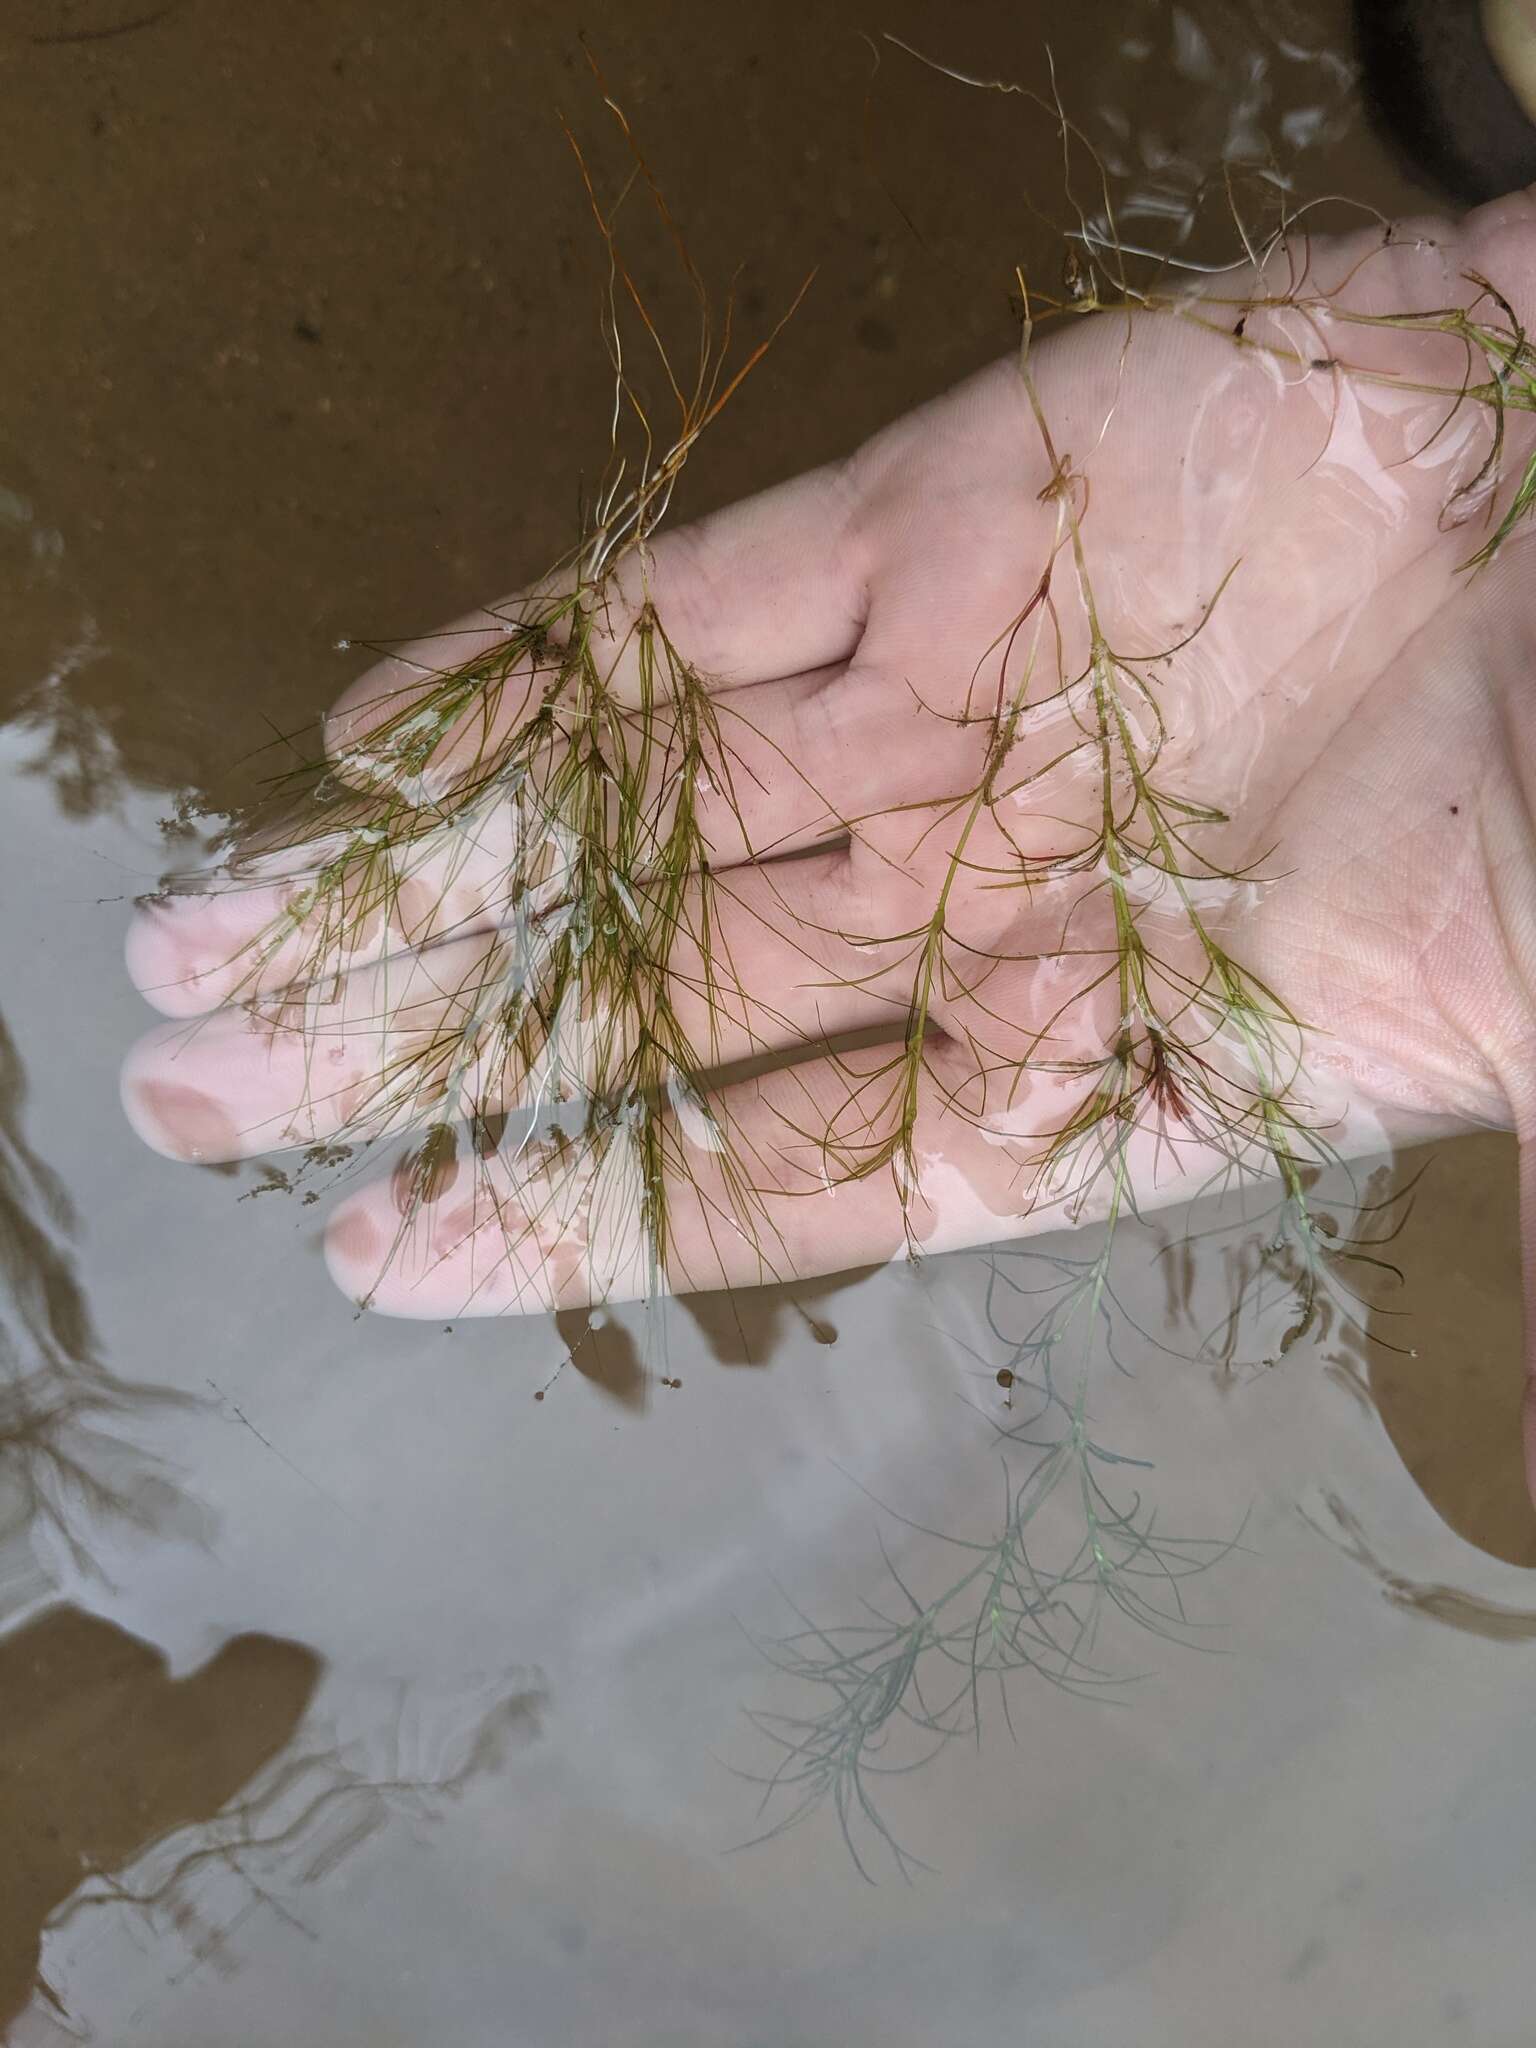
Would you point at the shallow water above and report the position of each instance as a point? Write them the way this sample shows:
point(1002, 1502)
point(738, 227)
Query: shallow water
point(350, 1693)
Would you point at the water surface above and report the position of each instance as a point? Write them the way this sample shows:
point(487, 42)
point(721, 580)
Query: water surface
point(350, 1693)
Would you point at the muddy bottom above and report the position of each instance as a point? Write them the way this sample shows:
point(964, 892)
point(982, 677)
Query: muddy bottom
point(388, 1683)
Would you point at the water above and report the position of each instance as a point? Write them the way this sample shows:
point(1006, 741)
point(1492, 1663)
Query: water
point(351, 1692)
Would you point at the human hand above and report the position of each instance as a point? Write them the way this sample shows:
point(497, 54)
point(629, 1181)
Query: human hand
point(923, 695)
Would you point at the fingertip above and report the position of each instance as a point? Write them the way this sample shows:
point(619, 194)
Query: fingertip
point(188, 954)
point(464, 1256)
point(172, 1117)
point(354, 1248)
point(407, 674)
point(361, 708)
point(156, 957)
point(407, 1269)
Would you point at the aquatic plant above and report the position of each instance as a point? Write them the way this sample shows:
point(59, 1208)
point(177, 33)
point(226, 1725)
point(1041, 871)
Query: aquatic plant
point(1070, 1549)
point(1198, 1047)
point(553, 780)
point(1077, 1555)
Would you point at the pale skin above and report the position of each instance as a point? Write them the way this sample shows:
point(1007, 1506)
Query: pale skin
point(1362, 711)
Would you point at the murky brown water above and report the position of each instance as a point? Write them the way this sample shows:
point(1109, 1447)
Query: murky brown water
point(350, 1694)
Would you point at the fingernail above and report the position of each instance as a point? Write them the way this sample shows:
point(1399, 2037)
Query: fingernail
point(180, 1122)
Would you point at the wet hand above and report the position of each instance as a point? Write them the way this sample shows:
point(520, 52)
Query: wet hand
point(1087, 747)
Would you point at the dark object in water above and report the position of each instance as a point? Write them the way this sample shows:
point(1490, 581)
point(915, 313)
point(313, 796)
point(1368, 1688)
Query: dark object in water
point(1439, 99)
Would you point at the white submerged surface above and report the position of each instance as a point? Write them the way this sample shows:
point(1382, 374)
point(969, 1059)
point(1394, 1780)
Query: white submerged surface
point(1323, 1833)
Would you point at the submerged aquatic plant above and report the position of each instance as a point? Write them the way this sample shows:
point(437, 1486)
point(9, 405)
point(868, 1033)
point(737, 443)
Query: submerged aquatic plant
point(1072, 1548)
point(1077, 1558)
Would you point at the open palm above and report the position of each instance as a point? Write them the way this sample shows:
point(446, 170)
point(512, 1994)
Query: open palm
point(936, 827)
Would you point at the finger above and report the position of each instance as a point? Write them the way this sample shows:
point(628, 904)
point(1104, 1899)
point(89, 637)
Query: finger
point(241, 935)
point(769, 587)
point(305, 916)
point(502, 1240)
point(396, 1046)
point(765, 1188)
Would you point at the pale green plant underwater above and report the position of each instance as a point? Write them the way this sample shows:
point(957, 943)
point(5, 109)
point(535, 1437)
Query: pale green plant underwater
point(1077, 1548)
point(1072, 1547)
